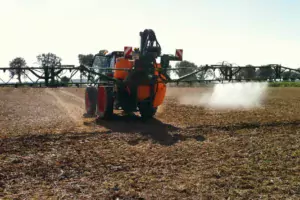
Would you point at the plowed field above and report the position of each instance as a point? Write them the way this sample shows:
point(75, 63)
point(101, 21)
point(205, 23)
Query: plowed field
point(49, 151)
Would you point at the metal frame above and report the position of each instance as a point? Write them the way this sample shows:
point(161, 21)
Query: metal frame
point(228, 73)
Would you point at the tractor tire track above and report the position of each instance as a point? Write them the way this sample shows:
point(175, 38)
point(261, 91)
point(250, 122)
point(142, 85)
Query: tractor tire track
point(31, 110)
point(72, 106)
point(75, 97)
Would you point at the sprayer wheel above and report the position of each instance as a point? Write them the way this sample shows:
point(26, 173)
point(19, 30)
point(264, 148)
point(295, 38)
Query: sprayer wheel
point(147, 111)
point(90, 100)
point(105, 105)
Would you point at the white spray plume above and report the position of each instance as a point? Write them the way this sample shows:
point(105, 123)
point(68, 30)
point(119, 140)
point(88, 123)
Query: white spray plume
point(229, 96)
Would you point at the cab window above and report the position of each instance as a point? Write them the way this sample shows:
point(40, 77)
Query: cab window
point(101, 62)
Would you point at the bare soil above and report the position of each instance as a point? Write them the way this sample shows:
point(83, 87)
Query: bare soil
point(49, 151)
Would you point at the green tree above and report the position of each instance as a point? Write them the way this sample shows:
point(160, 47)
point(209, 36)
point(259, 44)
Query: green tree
point(65, 80)
point(291, 75)
point(297, 74)
point(16, 66)
point(189, 68)
point(86, 60)
point(287, 75)
point(266, 72)
point(248, 72)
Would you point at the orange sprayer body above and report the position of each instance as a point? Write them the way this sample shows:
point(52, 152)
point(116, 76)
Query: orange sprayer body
point(159, 88)
point(122, 63)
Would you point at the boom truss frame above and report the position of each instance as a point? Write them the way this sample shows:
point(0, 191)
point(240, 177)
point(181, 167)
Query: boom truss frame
point(226, 73)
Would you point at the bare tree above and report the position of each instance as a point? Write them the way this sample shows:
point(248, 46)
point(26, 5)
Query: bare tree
point(16, 66)
point(49, 60)
point(51, 64)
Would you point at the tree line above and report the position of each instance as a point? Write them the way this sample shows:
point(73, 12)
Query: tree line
point(51, 60)
point(46, 61)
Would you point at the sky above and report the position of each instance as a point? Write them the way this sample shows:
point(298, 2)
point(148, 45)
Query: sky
point(242, 32)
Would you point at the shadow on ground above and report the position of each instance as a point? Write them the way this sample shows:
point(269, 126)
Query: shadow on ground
point(159, 132)
point(154, 129)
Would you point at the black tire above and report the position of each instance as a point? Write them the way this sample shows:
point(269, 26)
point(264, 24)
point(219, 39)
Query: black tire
point(107, 113)
point(90, 100)
point(147, 111)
